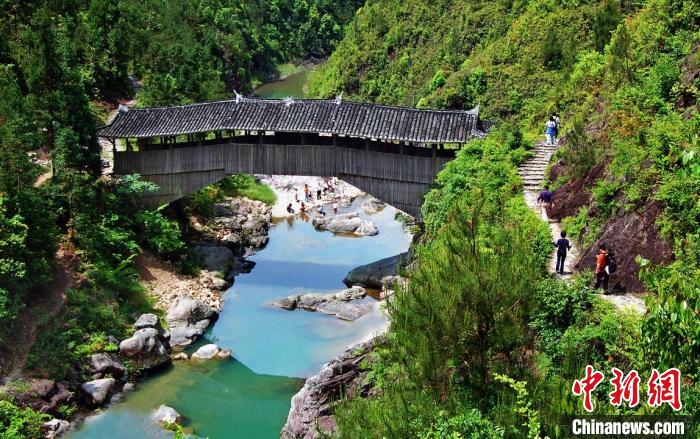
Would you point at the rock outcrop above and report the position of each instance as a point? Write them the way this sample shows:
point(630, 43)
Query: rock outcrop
point(45, 396)
point(148, 347)
point(96, 392)
point(371, 275)
point(188, 319)
point(337, 304)
point(211, 351)
point(102, 364)
point(347, 224)
point(311, 416)
point(167, 415)
point(630, 234)
point(241, 223)
point(213, 257)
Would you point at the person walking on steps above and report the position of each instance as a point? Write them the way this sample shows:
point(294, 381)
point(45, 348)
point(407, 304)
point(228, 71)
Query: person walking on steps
point(551, 130)
point(545, 198)
point(563, 246)
point(557, 125)
point(602, 276)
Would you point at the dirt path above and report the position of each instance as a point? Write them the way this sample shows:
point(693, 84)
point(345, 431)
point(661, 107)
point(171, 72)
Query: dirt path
point(44, 305)
point(532, 172)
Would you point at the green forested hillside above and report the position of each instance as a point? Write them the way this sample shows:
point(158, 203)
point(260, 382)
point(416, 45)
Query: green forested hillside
point(625, 78)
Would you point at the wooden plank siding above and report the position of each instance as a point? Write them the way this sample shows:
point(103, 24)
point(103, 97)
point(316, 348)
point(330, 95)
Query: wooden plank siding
point(398, 179)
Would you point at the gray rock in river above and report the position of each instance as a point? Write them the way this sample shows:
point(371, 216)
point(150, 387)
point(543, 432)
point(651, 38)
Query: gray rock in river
point(211, 351)
point(188, 319)
point(146, 349)
point(336, 304)
point(371, 275)
point(373, 206)
point(310, 416)
point(167, 415)
point(97, 391)
point(348, 223)
point(102, 364)
point(55, 428)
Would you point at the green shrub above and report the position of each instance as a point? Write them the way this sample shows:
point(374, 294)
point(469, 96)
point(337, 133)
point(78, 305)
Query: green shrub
point(606, 337)
point(470, 424)
point(559, 305)
point(20, 423)
point(161, 234)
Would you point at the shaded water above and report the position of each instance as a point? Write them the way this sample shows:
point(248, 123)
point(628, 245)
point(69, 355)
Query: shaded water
point(291, 86)
point(250, 397)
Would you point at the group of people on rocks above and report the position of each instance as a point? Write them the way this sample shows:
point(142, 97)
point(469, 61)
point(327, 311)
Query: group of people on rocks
point(328, 186)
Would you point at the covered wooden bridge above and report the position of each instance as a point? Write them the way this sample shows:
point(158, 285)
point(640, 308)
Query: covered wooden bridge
point(392, 153)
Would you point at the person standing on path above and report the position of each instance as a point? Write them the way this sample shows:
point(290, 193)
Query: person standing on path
point(601, 269)
point(551, 130)
point(563, 246)
point(335, 208)
point(557, 125)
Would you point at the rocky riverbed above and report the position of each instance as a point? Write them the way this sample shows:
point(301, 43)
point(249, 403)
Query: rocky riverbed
point(223, 245)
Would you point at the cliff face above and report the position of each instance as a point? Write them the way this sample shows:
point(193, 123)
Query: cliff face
point(311, 414)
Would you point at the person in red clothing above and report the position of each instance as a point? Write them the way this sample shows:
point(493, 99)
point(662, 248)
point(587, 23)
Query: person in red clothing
point(601, 273)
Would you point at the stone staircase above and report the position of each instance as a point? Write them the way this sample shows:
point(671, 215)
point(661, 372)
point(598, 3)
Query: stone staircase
point(532, 172)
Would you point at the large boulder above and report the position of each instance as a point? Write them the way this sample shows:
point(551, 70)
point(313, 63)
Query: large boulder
point(43, 389)
point(217, 258)
point(102, 364)
point(342, 305)
point(167, 415)
point(147, 321)
point(97, 391)
point(347, 224)
point(188, 319)
point(372, 274)
point(146, 349)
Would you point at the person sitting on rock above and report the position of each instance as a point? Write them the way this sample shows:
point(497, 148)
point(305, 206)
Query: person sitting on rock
point(302, 209)
point(601, 269)
point(563, 246)
point(320, 210)
point(290, 209)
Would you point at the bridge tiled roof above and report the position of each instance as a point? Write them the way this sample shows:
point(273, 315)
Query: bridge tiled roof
point(331, 116)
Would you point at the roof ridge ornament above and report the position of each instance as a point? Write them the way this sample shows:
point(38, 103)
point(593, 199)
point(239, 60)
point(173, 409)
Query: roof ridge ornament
point(123, 108)
point(288, 101)
point(339, 98)
point(238, 96)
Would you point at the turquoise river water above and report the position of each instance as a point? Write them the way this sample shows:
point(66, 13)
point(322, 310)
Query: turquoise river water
point(249, 396)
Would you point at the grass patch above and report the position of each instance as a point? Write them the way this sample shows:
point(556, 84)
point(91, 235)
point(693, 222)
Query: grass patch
point(244, 185)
